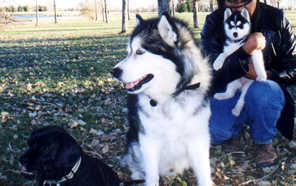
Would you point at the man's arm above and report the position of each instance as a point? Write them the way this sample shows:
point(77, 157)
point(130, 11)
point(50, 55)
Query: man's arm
point(287, 54)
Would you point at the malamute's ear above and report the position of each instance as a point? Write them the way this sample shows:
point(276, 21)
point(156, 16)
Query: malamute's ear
point(166, 30)
point(245, 14)
point(227, 13)
point(139, 19)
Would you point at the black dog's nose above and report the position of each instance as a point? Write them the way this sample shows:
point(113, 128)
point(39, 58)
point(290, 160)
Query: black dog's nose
point(23, 160)
point(116, 72)
point(235, 34)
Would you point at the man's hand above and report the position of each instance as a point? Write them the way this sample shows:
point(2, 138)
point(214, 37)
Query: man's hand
point(255, 41)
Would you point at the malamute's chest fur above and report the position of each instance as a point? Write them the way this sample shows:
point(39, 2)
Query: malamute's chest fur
point(174, 125)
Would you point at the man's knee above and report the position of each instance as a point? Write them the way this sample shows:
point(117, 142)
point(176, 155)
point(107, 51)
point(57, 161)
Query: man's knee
point(265, 93)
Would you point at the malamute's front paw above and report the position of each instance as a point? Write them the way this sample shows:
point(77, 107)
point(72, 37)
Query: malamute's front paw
point(218, 62)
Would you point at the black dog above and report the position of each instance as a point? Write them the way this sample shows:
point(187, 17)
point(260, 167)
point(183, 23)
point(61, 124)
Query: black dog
point(54, 157)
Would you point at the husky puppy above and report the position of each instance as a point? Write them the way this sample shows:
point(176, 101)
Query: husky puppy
point(167, 80)
point(237, 27)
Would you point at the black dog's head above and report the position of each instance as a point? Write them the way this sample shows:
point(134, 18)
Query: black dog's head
point(52, 153)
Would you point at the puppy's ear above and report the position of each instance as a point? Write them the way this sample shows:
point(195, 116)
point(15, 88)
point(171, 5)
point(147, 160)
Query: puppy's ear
point(166, 30)
point(245, 14)
point(139, 20)
point(227, 13)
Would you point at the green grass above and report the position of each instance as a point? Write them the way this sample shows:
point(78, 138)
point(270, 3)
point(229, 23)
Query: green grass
point(59, 74)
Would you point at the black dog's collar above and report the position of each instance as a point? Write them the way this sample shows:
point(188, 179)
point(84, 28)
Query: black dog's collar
point(67, 177)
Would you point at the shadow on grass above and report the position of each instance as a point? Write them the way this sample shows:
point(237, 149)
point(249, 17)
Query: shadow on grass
point(59, 81)
point(56, 58)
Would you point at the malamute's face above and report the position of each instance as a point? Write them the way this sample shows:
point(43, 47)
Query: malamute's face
point(153, 65)
point(236, 24)
point(142, 69)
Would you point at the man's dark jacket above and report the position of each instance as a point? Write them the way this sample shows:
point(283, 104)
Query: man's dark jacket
point(279, 55)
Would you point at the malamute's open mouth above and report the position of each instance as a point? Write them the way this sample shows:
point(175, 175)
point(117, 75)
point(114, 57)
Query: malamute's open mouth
point(135, 85)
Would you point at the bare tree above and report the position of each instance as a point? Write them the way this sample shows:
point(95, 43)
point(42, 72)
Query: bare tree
point(278, 3)
point(173, 7)
point(37, 16)
point(123, 23)
point(106, 11)
point(275, 3)
point(128, 10)
point(164, 6)
point(55, 11)
point(96, 10)
point(195, 10)
point(212, 5)
point(102, 10)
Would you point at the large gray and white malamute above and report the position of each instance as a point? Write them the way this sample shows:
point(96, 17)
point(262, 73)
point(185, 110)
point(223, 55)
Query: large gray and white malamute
point(167, 81)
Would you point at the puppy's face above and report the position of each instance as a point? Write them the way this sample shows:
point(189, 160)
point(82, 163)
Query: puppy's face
point(51, 155)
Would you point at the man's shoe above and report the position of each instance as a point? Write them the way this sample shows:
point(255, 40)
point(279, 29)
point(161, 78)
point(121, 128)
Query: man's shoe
point(266, 155)
point(232, 145)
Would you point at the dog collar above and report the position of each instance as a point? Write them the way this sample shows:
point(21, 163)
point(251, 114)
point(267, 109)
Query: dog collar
point(153, 103)
point(190, 87)
point(67, 177)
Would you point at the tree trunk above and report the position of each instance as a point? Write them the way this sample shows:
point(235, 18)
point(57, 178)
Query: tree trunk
point(212, 5)
point(195, 10)
point(128, 10)
point(102, 10)
point(106, 11)
point(37, 16)
point(163, 6)
point(173, 7)
point(123, 25)
point(55, 11)
point(96, 11)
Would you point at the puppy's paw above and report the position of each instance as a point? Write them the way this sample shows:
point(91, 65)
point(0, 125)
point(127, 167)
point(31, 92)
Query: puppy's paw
point(218, 63)
point(237, 109)
point(236, 112)
point(220, 96)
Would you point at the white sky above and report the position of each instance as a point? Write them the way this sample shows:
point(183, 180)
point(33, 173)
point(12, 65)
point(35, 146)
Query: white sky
point(75, 3)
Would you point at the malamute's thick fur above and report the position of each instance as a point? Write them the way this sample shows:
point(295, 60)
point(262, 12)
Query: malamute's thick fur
point(168, 82)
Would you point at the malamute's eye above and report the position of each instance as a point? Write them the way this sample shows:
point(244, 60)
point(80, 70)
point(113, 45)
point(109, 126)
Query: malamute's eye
point(140, 51)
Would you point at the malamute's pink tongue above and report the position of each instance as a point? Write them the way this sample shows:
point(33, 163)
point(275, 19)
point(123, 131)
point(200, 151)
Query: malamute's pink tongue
point(131, 84)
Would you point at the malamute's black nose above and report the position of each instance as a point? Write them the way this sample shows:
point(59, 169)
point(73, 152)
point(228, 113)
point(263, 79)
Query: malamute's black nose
point(116, 72)
point(235, 34)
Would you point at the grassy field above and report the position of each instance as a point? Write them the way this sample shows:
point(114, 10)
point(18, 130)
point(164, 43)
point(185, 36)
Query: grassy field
point(58, 74)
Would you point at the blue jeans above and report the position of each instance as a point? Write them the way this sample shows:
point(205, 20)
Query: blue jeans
point(264, 102)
